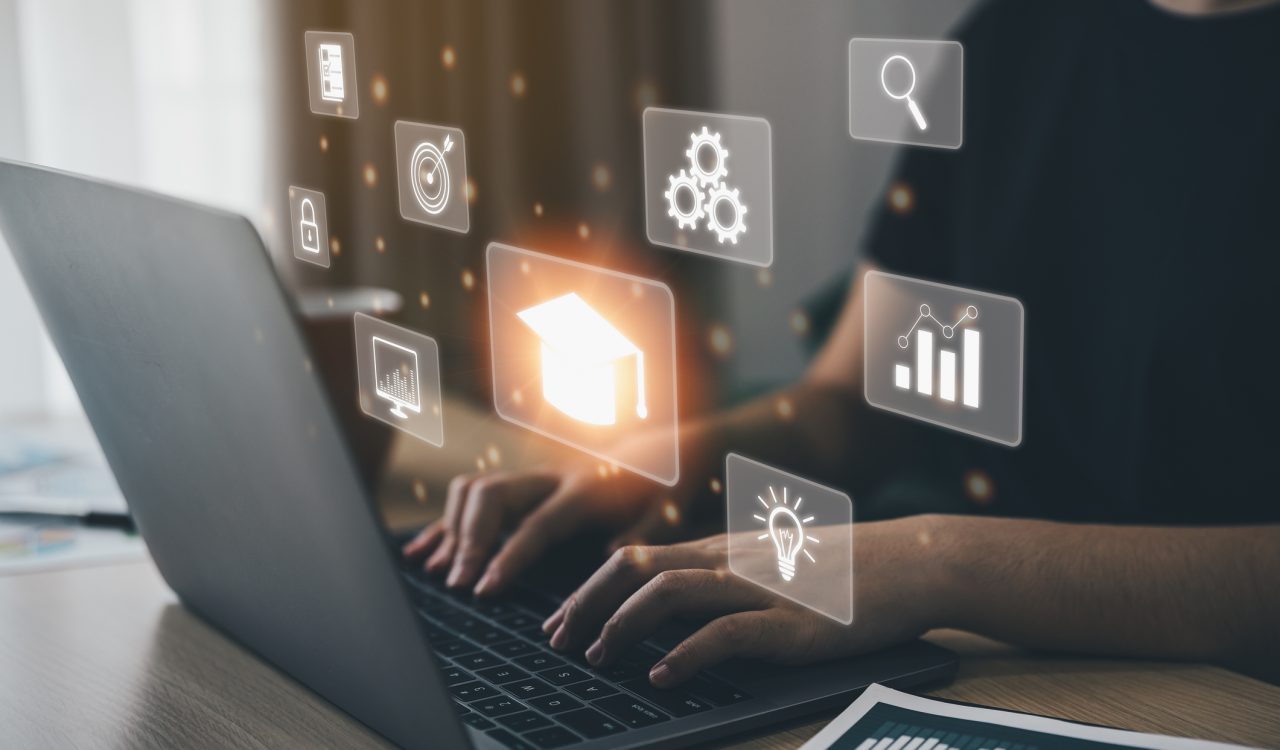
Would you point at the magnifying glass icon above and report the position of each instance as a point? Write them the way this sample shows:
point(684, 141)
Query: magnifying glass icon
point(893, 94)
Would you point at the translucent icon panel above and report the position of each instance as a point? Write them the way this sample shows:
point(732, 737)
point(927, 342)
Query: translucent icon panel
point(431, 175)
point(709, 184)
point(398, 371)
point(791, 536)
point(946, 355)
point(586, 356)
point(332, 85)
point(309, 218)
point(907, 91)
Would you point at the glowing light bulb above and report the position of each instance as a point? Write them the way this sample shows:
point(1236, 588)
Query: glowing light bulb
point(788, 537)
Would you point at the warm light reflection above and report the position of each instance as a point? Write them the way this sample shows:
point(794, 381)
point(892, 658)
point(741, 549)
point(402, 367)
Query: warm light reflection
point(468, 279)
point(380, 90)
point(448, 57)
point(370, 175)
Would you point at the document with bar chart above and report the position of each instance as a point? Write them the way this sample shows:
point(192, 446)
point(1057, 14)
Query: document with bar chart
point(885, 719)
point(945, 355)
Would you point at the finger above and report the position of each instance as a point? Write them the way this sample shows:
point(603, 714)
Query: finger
point(621, 576)
point(454, 500)
point(425, 541)
point(699, 594)
point(557, 518)
point(492, 502)
point(550, 624)
point(751, 634)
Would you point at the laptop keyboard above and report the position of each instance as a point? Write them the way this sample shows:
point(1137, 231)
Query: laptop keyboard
point(507, 682)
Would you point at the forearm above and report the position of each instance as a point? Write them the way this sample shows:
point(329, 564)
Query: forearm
point(1206, 594)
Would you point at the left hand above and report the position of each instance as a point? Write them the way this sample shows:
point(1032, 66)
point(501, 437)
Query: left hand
point(626, 600)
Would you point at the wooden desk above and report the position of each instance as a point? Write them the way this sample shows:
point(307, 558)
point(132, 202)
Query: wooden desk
point(105, 657)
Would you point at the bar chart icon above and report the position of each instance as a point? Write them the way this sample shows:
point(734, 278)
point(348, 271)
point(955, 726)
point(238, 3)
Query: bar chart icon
point(945, 355)
point(923, 375)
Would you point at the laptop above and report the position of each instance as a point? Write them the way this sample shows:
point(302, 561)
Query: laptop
point(190, 362)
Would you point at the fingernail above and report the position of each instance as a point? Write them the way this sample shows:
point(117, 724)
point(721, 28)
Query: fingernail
point(455, 575)
point(558, 640)
point(547, 623)
point(595, 653)
point(659, 674)
point(488, 582)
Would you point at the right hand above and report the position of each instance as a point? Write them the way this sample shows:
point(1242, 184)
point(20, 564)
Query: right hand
point(543, 507)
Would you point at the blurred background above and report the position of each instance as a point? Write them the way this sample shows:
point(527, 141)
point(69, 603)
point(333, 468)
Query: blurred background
point(207, 100)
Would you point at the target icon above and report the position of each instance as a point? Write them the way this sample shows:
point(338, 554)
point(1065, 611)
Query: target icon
point(430, 175)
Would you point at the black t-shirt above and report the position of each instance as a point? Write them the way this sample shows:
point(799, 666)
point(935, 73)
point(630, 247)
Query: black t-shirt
point(1120, 175)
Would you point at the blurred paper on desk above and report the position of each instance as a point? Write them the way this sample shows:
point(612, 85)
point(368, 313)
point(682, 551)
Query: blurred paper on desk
point(885, 719)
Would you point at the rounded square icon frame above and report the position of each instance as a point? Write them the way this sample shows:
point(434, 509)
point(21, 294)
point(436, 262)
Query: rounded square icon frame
point(754, 465)
point(1015, 441)
point(849, 108)
point(465, 228)
point(674, 477)
point(323, 258)
point(384, 330)
point(347, 39)
point(644, 143)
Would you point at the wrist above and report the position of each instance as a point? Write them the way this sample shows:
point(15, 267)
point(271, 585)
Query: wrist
point(944, 541)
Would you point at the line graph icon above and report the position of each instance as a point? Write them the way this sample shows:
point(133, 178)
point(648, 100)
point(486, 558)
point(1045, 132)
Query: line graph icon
point(946, 376)
point(945, 355)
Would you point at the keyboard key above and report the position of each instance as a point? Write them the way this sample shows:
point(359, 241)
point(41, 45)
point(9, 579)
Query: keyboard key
point(524, 721)
point(499, 705)
point(454, 675)
point(675, 702)
point(528, 688)
point(510, 740)
point(538, 662)
point(495, 610)
point(621, 670)
point(717, 692)
point(470, 691)
point(519, 621)
point(633, 712)
point(461, 708)
point(489, 636)
point(479, 660)
point(503, 674)
point(563, 675)
point(468, 625)
point(551, 737)
point(476, 721)
point(591, 724)
point(591, 689)
point(554, 703)
point(512, 649)
point(454, 647)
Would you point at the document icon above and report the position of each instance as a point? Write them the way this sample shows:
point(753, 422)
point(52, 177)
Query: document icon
point(331, 73)
point(580, 354)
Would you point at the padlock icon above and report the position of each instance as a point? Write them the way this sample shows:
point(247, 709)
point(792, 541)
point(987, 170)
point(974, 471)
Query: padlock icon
point(310, 230)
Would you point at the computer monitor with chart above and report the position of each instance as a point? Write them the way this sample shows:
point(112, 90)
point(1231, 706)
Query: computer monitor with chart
point(395, 371)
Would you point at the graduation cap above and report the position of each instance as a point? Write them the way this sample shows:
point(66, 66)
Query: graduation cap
point(580, 353)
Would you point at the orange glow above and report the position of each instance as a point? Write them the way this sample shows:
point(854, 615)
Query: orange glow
point(716, 487)
point(335, 247)
point(493, 455)
point(784, 409)
point(979, 487)
point(380, 244)
point(380, 90)
point(584, 231)
point(670, 512)
point(468, 279)
point(518, 85)
point(324, 144)
point(472, 192)
point(901, 198)
point(419, 491)
point(448, 57)
point(537, 210)
point(424, 300)
point(370, 175)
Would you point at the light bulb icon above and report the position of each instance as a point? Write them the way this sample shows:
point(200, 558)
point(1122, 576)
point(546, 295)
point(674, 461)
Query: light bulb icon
point(788, 539)
point(786, 531)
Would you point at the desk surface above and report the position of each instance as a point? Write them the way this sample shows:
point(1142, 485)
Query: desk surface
point(105, 657)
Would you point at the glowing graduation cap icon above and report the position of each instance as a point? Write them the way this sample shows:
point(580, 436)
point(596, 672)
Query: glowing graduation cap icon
point(580, 350)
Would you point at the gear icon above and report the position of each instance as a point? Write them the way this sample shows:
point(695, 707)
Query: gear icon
point(722, 194)
point(707, 139)
point(677, 183)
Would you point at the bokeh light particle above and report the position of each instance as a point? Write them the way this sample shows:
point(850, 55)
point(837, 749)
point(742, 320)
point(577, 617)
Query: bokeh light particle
point(784, 408)
point(518, 85)
point(901, 198)
point(370, 175)
point(335, 246)
point(584, 231)
point(721, 340)
point(601, 177)
point(764, 277)
point(799, 322)
point(424, 300)
point(380, 244)
point(716, 487)
point(670, 512)
point(419, 491)
point(537, 210)
point(380, 89)
point(324, 144)
point(468, 279)
point(472, 191)
point(448, 57)
point(979, 487)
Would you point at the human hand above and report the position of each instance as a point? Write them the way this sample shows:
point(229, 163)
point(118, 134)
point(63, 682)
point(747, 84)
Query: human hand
point(639, 588)
point(543, 507)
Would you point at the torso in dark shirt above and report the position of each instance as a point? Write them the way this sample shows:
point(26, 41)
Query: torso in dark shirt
point(1121, 176)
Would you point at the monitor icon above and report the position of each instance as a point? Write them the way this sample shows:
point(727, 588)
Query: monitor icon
point(395, 369)
point(398, 371)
